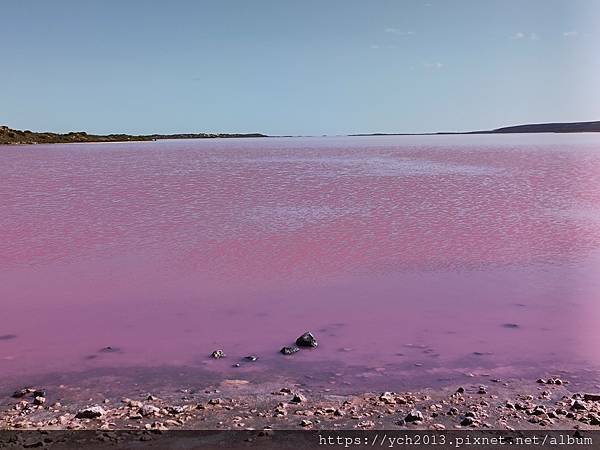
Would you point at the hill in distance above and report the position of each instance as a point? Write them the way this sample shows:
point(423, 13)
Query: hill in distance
point(563, 127)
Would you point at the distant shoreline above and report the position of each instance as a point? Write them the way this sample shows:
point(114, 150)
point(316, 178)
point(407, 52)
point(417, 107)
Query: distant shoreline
point(9, 136)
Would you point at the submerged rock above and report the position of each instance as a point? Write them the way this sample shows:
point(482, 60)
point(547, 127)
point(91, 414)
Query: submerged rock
point(217, 354)
point(91, 412)
point(306, 340)
point(251, 358)
point(289, 350)
point(511, 325)
point(7, 337)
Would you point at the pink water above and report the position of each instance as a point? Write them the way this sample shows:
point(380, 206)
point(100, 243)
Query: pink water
point(402, 254)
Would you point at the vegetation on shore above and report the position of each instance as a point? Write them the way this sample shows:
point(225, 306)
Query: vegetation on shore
point(11, 136)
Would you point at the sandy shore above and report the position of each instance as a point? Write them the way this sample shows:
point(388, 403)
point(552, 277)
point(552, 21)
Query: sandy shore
point(240, 404)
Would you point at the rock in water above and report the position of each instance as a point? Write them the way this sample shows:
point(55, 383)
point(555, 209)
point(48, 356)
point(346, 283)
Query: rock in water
point(7, 337)
point(91, 412)
point(109, 349)
point(217, 354)
point(289, 350)
point(306, 340)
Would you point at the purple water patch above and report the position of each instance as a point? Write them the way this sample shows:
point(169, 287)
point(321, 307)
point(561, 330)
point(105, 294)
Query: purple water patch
point(407, 257)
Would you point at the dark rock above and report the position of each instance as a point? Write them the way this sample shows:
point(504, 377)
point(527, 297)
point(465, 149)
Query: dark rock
point(306, 340)
point(298, 398)
point(469, 414)
point(452, 411)
point(414, 416)
point(39, 393)
point(7, 337)
point(511, 325)
point(22, 392)
point(289, 350)
point(236, 365)
point(482, 390)
point(591, 397)
point(541, 381)
point(594, 419)
point(175, 410)
point(468, 421)
point(578, 405)
point(109, 349)
point(217, 354)
point(251, 358)
point(460, 390)
point(39, 400)
point(91, 412)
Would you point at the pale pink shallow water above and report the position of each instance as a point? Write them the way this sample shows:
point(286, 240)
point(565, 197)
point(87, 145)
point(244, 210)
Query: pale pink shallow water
point(406, 250)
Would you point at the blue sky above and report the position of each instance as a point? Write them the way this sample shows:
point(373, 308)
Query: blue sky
point(297, 67)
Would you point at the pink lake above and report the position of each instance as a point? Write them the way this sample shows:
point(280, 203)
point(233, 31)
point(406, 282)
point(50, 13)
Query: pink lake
point(409, 256)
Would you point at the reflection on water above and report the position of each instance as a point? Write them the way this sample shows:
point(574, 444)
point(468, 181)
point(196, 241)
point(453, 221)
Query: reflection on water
point(401, 252)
